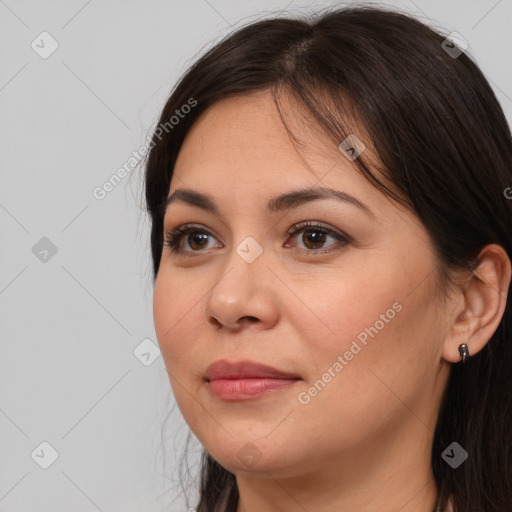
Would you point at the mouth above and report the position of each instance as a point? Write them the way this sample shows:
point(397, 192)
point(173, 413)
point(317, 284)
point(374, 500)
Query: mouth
point(243, 380)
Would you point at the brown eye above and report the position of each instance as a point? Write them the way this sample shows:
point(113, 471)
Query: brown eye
point(315, 236)
point(196, 238)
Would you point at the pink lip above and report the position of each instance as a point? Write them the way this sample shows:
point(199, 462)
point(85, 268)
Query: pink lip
point(242, 380)
point(223, 369)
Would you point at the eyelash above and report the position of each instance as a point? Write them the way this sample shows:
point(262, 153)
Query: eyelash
point(173, 237)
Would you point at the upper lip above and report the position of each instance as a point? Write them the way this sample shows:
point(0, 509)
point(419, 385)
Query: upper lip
point(223, 369)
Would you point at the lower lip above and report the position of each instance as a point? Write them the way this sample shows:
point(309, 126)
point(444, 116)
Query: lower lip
point(243, 389)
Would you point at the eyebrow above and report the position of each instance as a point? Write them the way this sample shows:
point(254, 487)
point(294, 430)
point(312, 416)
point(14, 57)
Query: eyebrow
point(286, 201)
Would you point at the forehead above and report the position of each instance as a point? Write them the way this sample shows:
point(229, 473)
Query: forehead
point(242, 144)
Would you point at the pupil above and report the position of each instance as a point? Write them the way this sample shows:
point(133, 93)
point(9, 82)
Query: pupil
point(195, 237)
point(319, 239)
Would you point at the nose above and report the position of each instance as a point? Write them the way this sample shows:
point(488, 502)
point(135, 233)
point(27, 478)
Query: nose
point(244, 296)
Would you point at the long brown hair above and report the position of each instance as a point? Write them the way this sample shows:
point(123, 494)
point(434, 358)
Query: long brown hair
point(445, 146)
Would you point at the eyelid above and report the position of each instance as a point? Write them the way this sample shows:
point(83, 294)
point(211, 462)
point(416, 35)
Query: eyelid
point(298, 226)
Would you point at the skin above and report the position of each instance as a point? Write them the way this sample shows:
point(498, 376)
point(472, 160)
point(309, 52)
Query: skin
point(364, 441)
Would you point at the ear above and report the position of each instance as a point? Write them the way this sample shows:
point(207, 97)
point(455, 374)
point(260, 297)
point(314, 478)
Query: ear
point(480, 305)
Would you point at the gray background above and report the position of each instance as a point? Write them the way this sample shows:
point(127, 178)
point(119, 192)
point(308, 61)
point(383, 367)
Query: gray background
point(70, 321)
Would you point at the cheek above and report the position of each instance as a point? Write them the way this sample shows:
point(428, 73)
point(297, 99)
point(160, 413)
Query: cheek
point(376, 355)
point(339, 309)
point(373, 297)
point(175, 316)
point(380, 313)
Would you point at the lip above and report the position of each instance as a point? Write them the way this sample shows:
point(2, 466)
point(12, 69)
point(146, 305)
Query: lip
point(242, 380)
point(224, 369)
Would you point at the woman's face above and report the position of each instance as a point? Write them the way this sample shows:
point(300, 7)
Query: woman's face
point(346, 306)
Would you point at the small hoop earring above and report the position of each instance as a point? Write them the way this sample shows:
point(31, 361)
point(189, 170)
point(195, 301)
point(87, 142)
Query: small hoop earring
point(464, 352)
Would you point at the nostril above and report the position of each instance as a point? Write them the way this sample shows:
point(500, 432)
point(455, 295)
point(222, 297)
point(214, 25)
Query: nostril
point(215, 322)
point(251, 319)
point(242, 320)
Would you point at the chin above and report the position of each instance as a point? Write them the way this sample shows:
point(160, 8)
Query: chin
point(250, 457)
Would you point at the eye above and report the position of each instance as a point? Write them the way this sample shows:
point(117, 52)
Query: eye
point(314, 237)
point(196, 238)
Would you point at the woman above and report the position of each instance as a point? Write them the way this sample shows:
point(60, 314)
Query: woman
point(331, 240)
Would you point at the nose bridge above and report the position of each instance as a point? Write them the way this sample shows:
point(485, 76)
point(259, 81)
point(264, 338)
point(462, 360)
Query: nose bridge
point(243, 267)
point(248, 238)
point(238, 292)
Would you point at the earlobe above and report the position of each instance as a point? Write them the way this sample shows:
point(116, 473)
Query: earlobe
point(483, 300)
point(459, 340)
